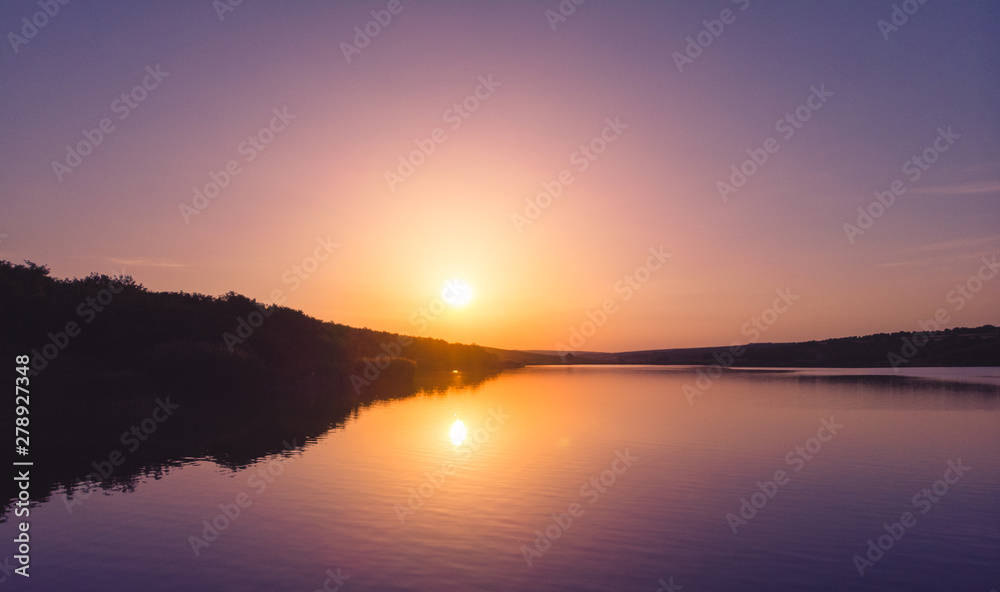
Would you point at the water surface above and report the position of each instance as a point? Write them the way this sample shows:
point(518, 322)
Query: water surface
point(394, 499)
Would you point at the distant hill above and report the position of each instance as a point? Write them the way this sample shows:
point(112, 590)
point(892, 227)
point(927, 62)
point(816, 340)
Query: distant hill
point(978, 346)
point(527, 358)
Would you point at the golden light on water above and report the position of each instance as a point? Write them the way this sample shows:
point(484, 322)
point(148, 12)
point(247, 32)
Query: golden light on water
point(457, 432)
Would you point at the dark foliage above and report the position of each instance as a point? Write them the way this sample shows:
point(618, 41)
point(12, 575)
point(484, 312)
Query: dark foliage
point(111, 338)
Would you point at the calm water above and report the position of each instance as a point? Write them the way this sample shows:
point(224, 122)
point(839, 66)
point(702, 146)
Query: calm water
point(640, 480)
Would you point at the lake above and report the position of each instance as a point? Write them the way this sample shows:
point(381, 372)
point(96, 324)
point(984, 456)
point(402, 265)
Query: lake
point(572, 478)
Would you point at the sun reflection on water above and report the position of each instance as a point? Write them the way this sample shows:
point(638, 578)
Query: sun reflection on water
point(457, 432)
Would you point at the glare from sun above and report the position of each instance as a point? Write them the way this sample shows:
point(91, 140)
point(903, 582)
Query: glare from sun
point(458, 432)
point(456, 292)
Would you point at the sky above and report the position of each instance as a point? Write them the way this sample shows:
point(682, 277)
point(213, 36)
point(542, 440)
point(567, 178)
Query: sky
point(604, 176)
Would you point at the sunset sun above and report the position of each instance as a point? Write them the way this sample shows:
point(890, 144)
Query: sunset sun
point(456, 292)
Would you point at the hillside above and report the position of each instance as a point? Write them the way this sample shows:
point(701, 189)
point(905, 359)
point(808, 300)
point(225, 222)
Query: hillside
point(113, 339)
point(950, 347)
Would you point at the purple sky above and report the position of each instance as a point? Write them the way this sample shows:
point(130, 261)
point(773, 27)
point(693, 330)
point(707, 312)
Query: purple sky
point(869, 98)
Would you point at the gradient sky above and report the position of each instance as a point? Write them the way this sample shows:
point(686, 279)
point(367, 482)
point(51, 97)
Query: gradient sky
point(655, 186)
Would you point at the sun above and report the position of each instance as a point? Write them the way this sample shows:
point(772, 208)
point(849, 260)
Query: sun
point(456, 292)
